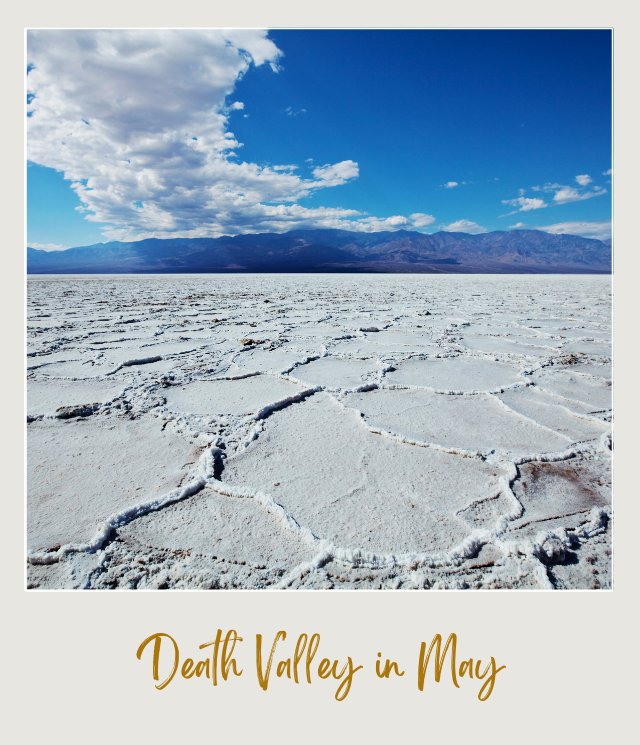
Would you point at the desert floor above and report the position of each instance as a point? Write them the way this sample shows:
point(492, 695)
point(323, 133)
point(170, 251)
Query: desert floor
point(319, 431)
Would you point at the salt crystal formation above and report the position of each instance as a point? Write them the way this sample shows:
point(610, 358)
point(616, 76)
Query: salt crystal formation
point(327, 431)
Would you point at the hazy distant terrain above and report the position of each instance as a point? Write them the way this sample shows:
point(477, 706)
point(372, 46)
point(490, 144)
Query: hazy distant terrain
point(514, 251)
point(319, 432)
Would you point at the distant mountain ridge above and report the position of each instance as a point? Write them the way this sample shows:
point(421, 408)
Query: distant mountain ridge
point(325, 250)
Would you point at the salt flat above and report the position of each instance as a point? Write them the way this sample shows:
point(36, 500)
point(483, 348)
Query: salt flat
point(319, 431)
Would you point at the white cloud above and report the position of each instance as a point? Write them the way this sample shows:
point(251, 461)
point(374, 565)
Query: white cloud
point(395, 222)
point(464, 226)
point(415, 221)
point(569, 194)
point(420, 220)
point(548, 187)
point(563, 193)
point(566, 194)
point(608, 172)
point(517, 226)
point(47, 246)
point(451, 184)
point(525, 204)
point(336, 174)
point(138, 122)
point(600, 230)
point(290, 111)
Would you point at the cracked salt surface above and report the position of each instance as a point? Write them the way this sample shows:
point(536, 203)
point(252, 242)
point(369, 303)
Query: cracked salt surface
point(45, 398)
point(239, 397)
point(476, 424)
point(526, 347)
point(348, 491)
point(319, 431)
point(81, 472)
point(462, 374)
point(335, 372)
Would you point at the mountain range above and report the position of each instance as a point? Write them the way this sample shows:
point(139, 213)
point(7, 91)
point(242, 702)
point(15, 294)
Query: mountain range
point(514, 251)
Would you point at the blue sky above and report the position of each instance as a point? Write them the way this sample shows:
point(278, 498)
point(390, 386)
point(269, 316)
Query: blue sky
point(146, 133)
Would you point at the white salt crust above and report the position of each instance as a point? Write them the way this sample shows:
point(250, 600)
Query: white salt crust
point(319, 432)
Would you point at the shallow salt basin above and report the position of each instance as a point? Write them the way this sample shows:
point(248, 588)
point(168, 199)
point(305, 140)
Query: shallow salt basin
point(481, 429)
point(222, 527)
point(591, 348)
point(45, 398)
point(601, 370)
point(245, 396)
point(566, 384)
point(81, 472)
point(455, 374)
point(134, 351)
point(387, 342)
point(500, 345)
point(35, 361)
point(334, 372)
point(272, 360)
point(397, 499)
point(540, 407)
point(477, 424)
point(559, 489)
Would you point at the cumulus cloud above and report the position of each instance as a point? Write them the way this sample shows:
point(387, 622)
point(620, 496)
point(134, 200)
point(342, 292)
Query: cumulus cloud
point(420, 220)
point(518, 226)
point(415, 221)
point(138, 122)
point(600, 230)
point(608, 172)
point(569, 194)
point(370, 223)
point(336, 174)
point(562, 193)
point(451, 184)
point(525, 204)
point(464, 226)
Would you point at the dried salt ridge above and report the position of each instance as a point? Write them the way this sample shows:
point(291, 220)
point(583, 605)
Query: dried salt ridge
point(326, 431)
